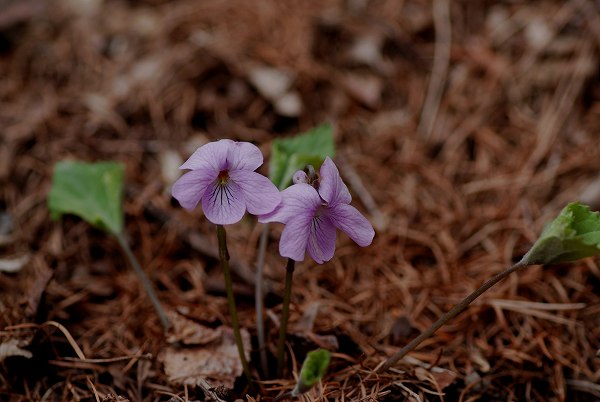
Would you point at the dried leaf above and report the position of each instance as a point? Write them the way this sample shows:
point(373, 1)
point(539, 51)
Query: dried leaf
point(366, 89)
point(12, 265)
point(437, 375)
point(270, 82)
point(218, 362)
point(11, 348)
point(189, 332)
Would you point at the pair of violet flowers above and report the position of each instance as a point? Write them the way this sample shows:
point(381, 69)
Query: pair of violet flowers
point(223, 180)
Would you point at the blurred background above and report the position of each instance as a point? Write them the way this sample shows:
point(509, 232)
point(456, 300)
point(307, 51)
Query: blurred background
point(460, 126)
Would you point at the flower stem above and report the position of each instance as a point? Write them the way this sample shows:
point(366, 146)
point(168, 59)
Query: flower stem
point(285, 313)
point(224, 258)
point(457, 309)
point(144, 279)
point(259, 300)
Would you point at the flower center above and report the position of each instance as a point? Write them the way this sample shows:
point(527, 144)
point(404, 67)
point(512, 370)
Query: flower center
point(223, 177)
point(321, 209)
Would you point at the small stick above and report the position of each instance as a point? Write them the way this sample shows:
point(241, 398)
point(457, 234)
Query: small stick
point(457, 309)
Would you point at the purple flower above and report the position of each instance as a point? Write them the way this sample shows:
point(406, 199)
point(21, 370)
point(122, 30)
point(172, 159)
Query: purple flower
point(222, 176)
point(311, 216)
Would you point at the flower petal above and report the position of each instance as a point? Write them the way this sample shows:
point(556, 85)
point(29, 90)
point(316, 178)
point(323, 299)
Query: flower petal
point(223, 204)
point(190, 187)
point(260, 193)
point(350, 221)
point(296, 201)
point(244, 156)
point(331, 187)
point(210, 156)
point(295, 237)
point(321, 239)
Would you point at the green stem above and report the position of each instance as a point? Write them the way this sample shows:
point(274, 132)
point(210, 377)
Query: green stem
point(144, 279)
point(224, 258)
point(457, 309)
point(285, 313)
point(259, 300)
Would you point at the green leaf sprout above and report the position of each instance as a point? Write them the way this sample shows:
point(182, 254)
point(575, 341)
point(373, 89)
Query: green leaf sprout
point(314, 368)
point(291, 154)
point(572, 235)
point(92, 191)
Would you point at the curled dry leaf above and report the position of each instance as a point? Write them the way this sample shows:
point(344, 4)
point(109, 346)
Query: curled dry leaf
point(436, 375)
point(189, 332)
point(217, 362)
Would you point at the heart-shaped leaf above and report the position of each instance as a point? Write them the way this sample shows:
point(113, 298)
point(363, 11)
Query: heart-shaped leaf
point(92, 191)
point(572, 235)
point(291, 154)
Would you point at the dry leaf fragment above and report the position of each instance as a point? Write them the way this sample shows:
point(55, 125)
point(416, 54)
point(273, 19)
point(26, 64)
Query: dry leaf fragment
point(364, 88)
point(11, 347)
point(436, 375)
point(14, 264)
point(217, 362)
point(189, 332)
point(270, 82)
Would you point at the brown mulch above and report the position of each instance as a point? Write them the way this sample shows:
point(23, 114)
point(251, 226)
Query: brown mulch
point(461, 128)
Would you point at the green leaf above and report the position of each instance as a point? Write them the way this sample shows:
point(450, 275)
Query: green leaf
point(572, 235)
point(92, 191)
point(291, 154)
point(314, 368)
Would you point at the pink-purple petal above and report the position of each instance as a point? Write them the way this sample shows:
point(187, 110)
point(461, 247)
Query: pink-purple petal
point(297, 200)
point(190, 187)
point(321, 239)
point(223, 204)
point(294, 238)
point(210, 156)
point(331, 187)
point(260, 193)
point(244, 156)
point(350, 221)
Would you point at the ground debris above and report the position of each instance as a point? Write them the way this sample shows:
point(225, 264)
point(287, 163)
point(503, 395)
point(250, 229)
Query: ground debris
point(514, 122)
point(12, 347)
point(216, 362)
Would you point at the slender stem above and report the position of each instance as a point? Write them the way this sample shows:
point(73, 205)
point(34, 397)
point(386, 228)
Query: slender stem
point(144, 279)
point(285, 313)
point(283, 396)
point(224, 258)
point(457, 309)
point(259, 300)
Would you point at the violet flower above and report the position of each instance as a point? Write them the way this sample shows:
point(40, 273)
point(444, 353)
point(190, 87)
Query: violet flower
point(222, 177)
point(311, 214)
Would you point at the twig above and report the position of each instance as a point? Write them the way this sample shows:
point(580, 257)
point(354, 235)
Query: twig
point(441, 61)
